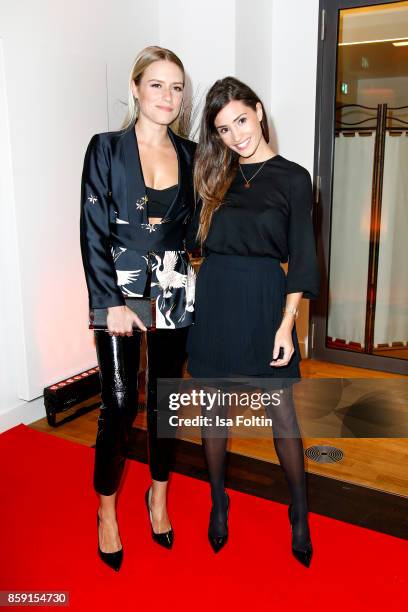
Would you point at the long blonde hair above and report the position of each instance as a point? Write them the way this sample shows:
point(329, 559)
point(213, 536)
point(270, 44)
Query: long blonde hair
point(147, 56)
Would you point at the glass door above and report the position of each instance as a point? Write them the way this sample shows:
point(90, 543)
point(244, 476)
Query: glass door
point(362, 205)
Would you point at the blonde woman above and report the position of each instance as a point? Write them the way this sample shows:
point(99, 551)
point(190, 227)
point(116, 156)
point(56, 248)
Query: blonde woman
point(137, 194)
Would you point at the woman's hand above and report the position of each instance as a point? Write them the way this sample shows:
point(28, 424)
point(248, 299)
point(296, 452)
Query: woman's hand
point(120, 321)
point(283, 338)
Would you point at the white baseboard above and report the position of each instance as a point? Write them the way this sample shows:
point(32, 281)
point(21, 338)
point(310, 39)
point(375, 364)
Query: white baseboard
point(26, 413)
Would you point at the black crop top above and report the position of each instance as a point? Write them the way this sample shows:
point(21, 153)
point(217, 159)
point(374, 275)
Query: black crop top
point(272, 218)
point(159, 200)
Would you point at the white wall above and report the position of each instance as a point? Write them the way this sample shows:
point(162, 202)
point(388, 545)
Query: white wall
point(63, 69)
point(293, 95)
point(11, 330)
point(253, 43)
point(202, 34)
point(294, 58)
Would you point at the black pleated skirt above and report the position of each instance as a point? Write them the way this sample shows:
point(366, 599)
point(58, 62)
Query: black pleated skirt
point(238, 309)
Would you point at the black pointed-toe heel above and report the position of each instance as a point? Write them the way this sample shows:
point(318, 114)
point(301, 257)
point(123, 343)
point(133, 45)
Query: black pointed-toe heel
point(114, 559)
point(304, 556)
point(217, 542)
point(164, 539)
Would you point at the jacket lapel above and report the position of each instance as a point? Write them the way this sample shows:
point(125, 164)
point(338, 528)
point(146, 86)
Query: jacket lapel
point(135, 185)
point(136, 190)
point(182, 177)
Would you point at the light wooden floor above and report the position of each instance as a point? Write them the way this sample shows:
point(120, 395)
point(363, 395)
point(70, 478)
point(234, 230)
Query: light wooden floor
point(377, 463)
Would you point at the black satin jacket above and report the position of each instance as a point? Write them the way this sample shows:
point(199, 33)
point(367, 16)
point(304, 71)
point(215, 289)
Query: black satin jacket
point(118, 244)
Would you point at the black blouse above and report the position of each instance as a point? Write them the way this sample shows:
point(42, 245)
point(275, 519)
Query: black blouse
point(273, 218)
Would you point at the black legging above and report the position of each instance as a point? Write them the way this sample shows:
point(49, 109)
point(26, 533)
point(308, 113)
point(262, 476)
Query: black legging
point(118, 359)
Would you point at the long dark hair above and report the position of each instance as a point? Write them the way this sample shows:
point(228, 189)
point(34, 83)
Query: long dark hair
point(215, 163)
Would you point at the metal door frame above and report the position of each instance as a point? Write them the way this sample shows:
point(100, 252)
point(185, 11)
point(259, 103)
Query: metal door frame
point(323, 182)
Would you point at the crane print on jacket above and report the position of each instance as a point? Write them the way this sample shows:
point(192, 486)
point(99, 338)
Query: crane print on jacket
point(167, 283)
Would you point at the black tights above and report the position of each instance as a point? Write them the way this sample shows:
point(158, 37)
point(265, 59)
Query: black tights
point(118, 359)
point(289, 448)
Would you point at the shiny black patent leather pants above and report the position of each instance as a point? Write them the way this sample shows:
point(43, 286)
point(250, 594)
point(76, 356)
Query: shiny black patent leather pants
point(118, 360)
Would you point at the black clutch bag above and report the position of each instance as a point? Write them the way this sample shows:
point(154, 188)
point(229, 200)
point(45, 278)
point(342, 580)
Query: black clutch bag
point(145, 308)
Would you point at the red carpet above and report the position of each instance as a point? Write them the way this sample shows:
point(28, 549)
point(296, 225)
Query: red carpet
point(48, 520)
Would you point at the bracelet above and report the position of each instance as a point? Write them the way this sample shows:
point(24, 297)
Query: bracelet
point(292, 310)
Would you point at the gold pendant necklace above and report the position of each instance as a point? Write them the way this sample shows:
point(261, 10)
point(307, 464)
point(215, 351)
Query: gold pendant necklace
point(248, 181)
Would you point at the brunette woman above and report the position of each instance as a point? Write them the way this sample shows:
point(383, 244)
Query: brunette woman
point(256, 213)
point(137, 194)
